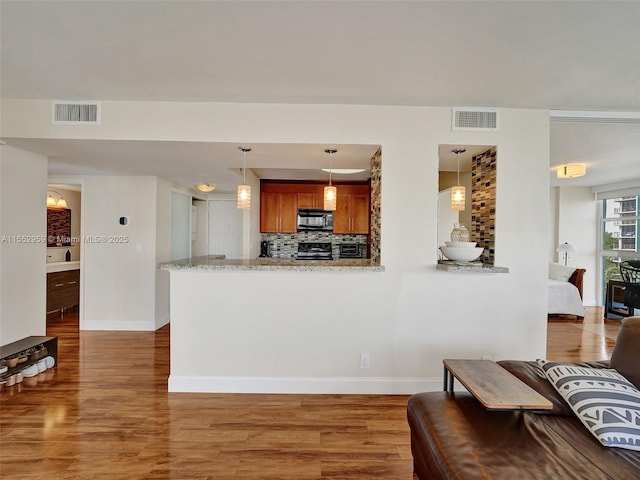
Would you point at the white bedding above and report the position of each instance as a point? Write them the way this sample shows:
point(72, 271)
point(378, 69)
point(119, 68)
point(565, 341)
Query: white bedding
point(564, 298)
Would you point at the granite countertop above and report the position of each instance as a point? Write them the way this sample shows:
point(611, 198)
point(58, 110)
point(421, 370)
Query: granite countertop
point(471, 267)
point(218, 263)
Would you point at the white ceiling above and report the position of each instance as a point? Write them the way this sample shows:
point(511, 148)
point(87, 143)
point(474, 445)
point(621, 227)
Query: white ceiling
point(581, 56)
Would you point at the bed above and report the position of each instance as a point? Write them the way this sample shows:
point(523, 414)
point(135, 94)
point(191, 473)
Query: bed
point(565, 291)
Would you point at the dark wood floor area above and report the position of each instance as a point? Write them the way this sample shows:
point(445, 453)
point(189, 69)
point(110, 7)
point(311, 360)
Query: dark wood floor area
point(105, 413)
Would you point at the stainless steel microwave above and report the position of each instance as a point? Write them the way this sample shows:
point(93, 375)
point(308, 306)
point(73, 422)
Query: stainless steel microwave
point(315, 220)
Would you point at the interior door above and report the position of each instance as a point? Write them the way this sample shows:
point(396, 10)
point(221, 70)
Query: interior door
point(225, 228)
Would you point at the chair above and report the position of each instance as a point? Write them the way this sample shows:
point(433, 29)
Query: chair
point(630, 271)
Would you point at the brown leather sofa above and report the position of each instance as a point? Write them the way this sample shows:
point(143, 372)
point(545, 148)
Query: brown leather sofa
point(454, 437)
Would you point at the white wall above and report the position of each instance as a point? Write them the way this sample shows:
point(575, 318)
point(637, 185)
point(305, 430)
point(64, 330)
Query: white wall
point(162, 250)
point(120, 270)
point(23, 246)
point(409, 317)
point(577, 223)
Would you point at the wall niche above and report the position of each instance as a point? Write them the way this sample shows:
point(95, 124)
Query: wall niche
point(475, 169)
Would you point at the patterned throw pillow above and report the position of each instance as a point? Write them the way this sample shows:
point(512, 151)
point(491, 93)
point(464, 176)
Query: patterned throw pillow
point(604, 401)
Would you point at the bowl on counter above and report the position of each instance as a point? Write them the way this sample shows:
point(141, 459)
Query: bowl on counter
point(461, 254)
point(461, 244)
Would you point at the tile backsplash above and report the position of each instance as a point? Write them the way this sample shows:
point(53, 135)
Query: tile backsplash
point(285, 245)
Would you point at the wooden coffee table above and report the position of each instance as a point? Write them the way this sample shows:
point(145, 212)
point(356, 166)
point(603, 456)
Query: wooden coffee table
point(493, 386)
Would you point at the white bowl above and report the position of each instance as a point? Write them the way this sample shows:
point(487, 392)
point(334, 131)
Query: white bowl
point(462, 254)
point(461, 244)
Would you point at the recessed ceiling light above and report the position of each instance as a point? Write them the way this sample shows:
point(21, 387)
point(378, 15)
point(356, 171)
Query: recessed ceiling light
point(343, 171)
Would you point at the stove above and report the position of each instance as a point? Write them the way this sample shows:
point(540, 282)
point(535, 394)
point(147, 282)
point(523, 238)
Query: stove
point(315, 251)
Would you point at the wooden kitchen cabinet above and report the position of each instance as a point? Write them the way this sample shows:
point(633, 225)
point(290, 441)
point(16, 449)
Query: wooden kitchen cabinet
point(279, 203)
point(352, 210)
point(278, 212)
point(63, 290)
point(311, 199)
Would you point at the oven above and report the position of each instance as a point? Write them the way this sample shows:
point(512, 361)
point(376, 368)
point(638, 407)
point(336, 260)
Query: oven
point(315, 251)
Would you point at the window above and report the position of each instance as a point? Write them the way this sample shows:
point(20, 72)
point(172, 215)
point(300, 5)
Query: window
point(620, 225)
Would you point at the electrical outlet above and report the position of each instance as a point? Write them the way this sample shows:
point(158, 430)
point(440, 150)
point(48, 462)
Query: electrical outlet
point(364, 360)
point(485, 357)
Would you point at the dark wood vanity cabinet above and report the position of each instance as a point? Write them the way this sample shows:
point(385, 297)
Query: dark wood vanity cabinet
point(63, 290)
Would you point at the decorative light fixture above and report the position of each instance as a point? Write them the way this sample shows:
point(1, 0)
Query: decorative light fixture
point(458, 192)
point(571, 170)
point(205, 187)
point(566, 248)
point(244, 190)
point(330, 192)
point(53, 203)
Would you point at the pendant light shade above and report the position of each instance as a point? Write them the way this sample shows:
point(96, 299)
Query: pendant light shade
point(330, 195)
point(458, 200)
point(244, 197)
point(244, 190)
point(330, 192)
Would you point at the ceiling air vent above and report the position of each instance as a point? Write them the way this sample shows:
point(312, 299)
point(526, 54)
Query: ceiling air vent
point(75, 113)
point(475, 119)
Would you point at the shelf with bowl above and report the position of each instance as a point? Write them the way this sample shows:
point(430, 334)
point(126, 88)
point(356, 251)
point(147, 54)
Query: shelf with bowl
point(462, 257)
point(464, 252)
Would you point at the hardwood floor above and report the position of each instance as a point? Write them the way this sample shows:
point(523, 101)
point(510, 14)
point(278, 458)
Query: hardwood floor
point(104, 412)
point(572, 341)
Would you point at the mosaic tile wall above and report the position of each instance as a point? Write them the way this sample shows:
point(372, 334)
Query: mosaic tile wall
point(483, 196)
point(285, 245)
point(376, 201)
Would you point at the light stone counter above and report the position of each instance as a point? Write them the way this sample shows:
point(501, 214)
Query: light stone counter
point(216, 263)
point(62, 266)
point(472, 267)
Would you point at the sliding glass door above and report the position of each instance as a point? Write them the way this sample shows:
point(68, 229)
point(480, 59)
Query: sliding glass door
point(620, 222)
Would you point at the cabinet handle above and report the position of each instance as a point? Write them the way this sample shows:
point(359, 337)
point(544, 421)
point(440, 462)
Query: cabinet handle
point(59, 284)
point(71, 283)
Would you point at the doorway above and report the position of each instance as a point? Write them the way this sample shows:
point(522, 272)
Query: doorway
point(64, 253)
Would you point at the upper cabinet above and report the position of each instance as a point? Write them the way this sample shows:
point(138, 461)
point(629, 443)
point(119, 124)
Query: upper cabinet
point(278, 212)
point(279, 203)
point(352, 213)
point(311, 199)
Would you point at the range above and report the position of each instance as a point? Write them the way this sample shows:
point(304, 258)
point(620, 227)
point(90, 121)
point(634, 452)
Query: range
point(315, 251)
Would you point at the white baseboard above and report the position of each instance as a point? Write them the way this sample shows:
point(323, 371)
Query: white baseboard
point(162, 321)
point(119, 326)
point(311, 385)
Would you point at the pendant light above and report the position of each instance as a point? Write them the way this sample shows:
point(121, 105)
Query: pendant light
point(458, 192)
point(244, 190)
point(330, 192)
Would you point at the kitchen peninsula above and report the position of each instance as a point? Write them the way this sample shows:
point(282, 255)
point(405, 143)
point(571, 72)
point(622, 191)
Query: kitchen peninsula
point(273, 325)
point(215, 263)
